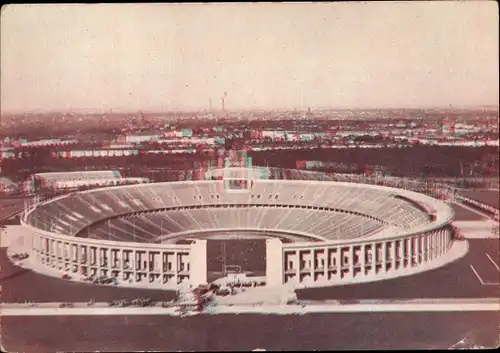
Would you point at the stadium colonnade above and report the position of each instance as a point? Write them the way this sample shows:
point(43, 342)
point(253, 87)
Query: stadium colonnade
point(414, 230)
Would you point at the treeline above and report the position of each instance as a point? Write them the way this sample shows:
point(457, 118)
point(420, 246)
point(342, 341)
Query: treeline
point(422, 161)
point(417, 161)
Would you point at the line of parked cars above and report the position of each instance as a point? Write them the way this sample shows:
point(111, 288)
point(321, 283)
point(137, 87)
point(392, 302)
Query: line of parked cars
point(93, 279)
point(140, 302)
point(20, 257)
point(30, 303)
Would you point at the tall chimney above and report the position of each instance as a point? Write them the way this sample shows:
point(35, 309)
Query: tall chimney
point(222, 100)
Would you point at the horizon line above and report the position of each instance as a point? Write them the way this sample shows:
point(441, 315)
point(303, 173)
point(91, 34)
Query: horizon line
point(218, 111)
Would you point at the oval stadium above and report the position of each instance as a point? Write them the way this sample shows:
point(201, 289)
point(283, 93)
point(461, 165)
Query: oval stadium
point(304, 231)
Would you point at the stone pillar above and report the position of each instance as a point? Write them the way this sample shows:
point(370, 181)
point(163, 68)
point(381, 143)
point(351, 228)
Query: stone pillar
point(393, 255)
point(410, 252)
point(54, 250)
point(373, 270)
point(402, 246)
point(327, 260)
point(109, 255)
point(384, 256)
point(175, 262)
point(50, 251)
point(429, 246)
point(198, 262)
point(351, 261)
point(435, 244)
point(338, 262)
point(297, 268)
point(137, 263)
point(274, 262)
point(312, 267)
point(363, 260)
point(423, 246)
point(100, 258)
point(88, 253)
point(77, 255)
point(123, 269)
point(80, 255)
point(54, 253)
point(422, 249)
point(150, 261)
point(164, 261)
point(440, 241)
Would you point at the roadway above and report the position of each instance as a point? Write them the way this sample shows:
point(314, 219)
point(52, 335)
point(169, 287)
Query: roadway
point(488, 197)
point(10, 206)
point(301, 307)
point(328, 331)
point(464, 213)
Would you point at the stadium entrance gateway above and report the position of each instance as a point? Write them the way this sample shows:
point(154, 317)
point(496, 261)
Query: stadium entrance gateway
point(235, 254)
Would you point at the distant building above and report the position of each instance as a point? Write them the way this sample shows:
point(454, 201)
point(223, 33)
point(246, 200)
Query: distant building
point(139, 138)
point(7, 186)
point(68, 180)
point(448, 127)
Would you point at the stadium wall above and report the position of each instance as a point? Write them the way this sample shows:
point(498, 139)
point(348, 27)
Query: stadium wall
point(303, 264)
point(166, 264)
point(349, 262)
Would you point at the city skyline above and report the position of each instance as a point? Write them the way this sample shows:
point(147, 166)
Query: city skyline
point(157, 57)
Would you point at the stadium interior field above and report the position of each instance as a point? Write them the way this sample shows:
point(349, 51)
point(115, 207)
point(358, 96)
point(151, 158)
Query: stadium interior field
point(246, 254)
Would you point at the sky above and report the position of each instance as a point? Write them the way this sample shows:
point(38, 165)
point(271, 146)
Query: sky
point(98, 57)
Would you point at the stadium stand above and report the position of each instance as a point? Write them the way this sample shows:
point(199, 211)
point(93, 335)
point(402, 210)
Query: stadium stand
point(317, 208)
